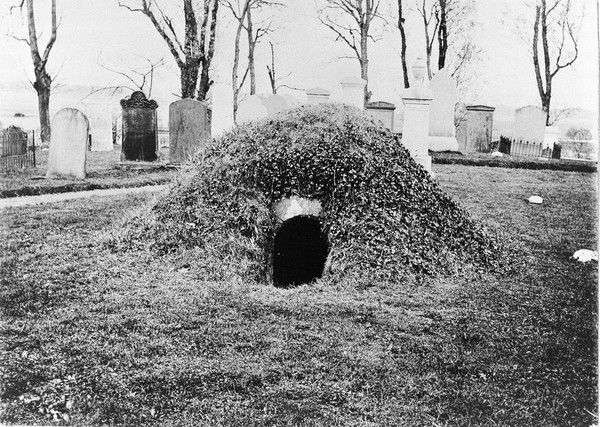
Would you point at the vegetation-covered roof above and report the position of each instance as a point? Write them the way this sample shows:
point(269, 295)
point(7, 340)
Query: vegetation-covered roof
point(384, 214)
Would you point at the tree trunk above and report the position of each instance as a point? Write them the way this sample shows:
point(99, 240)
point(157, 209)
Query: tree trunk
point(442, 36)
point(427, 48)
point(236, 62)
point(271, 71)
point(43, 82)
point(364, 63)
point(403, 44)
point(42, 86)
point(205, 81)
point(251, 45)
point(207, 53)
point(189, 78)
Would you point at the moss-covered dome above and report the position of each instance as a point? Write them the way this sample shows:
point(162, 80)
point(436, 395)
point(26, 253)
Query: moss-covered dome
point(383, 213)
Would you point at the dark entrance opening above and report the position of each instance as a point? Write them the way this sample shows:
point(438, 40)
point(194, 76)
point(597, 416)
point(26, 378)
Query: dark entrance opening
point(299, 251)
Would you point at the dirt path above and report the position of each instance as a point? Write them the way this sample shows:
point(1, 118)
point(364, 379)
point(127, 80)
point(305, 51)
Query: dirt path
point(51, 198)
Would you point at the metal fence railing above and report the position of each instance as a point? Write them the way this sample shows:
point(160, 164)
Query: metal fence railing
point(17, 149)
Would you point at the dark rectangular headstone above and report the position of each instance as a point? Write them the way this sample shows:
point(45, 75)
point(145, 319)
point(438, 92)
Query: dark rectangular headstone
point(140, 136)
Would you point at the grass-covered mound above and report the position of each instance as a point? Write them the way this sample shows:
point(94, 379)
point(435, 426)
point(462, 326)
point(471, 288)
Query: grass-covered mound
point(384, 214)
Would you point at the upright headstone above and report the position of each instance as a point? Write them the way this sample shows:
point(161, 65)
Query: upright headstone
point(382, 112)
point(101, 130)
point(530, 124)
point(291, 101)
point(317, 95)
point(189, 129)
point(474, 133)
point(353, 91)
point(415, 128)
point(442, 134)
point(140, 139)
point(251, 108)
point(222, 109)
point(274, 104)
point(68, 144)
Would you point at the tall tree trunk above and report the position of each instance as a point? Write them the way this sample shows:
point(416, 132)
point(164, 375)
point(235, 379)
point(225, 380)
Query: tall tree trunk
point(271, 71)
point(403, 44)
point(427, 43)
point(251, 45)
point(207, 53)
point(189, 78)
point(43, 81)
point(42, 85)
point(236, 61)
point(364, 63)
point(442, 36)
point(544, 92)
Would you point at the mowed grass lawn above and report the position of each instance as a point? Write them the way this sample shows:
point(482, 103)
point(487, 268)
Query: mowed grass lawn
point(91, 337)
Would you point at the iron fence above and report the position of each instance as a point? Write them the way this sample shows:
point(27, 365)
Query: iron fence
point(17, 149)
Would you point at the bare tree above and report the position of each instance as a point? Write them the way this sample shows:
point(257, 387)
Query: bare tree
point(401, 21)
point(273, 79)
point(141, 78)
point(429, 14)
point(43, 81)
point(558, 45)
point(356, 32)
point(241, 10)
point(194, 51)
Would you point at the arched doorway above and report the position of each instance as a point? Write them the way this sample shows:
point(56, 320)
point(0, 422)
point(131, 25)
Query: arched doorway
point(299, 251)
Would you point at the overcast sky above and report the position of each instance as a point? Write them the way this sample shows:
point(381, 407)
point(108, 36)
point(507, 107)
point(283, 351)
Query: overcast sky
point(94, 32)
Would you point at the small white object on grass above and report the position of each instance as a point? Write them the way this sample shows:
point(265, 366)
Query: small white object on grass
point(536, 200)
point(585, 255)
point(497, 154)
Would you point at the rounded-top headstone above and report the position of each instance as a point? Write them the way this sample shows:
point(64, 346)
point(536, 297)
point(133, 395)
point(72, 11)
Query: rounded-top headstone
point(252, 108)
point(274, 104)
point(68, 144)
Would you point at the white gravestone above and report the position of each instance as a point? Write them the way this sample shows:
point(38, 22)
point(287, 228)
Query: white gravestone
point(415, 128)
point(291, 100)
point(274, 104)
point(353, 91)
point(101, 130)
point(222, 109)
point(251, 108)
point(68, 144)
point(442, 134)
point(530, 124)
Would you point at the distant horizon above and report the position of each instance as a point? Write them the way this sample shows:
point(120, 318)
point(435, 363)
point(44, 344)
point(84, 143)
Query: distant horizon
point(70, 98)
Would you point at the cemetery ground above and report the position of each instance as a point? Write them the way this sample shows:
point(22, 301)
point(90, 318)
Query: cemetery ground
point(104, 170)
point(90, 337)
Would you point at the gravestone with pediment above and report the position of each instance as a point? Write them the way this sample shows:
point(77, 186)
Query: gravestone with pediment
point(442, 134)
point(68, 144)
point(140, 136)
point(189, 129)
